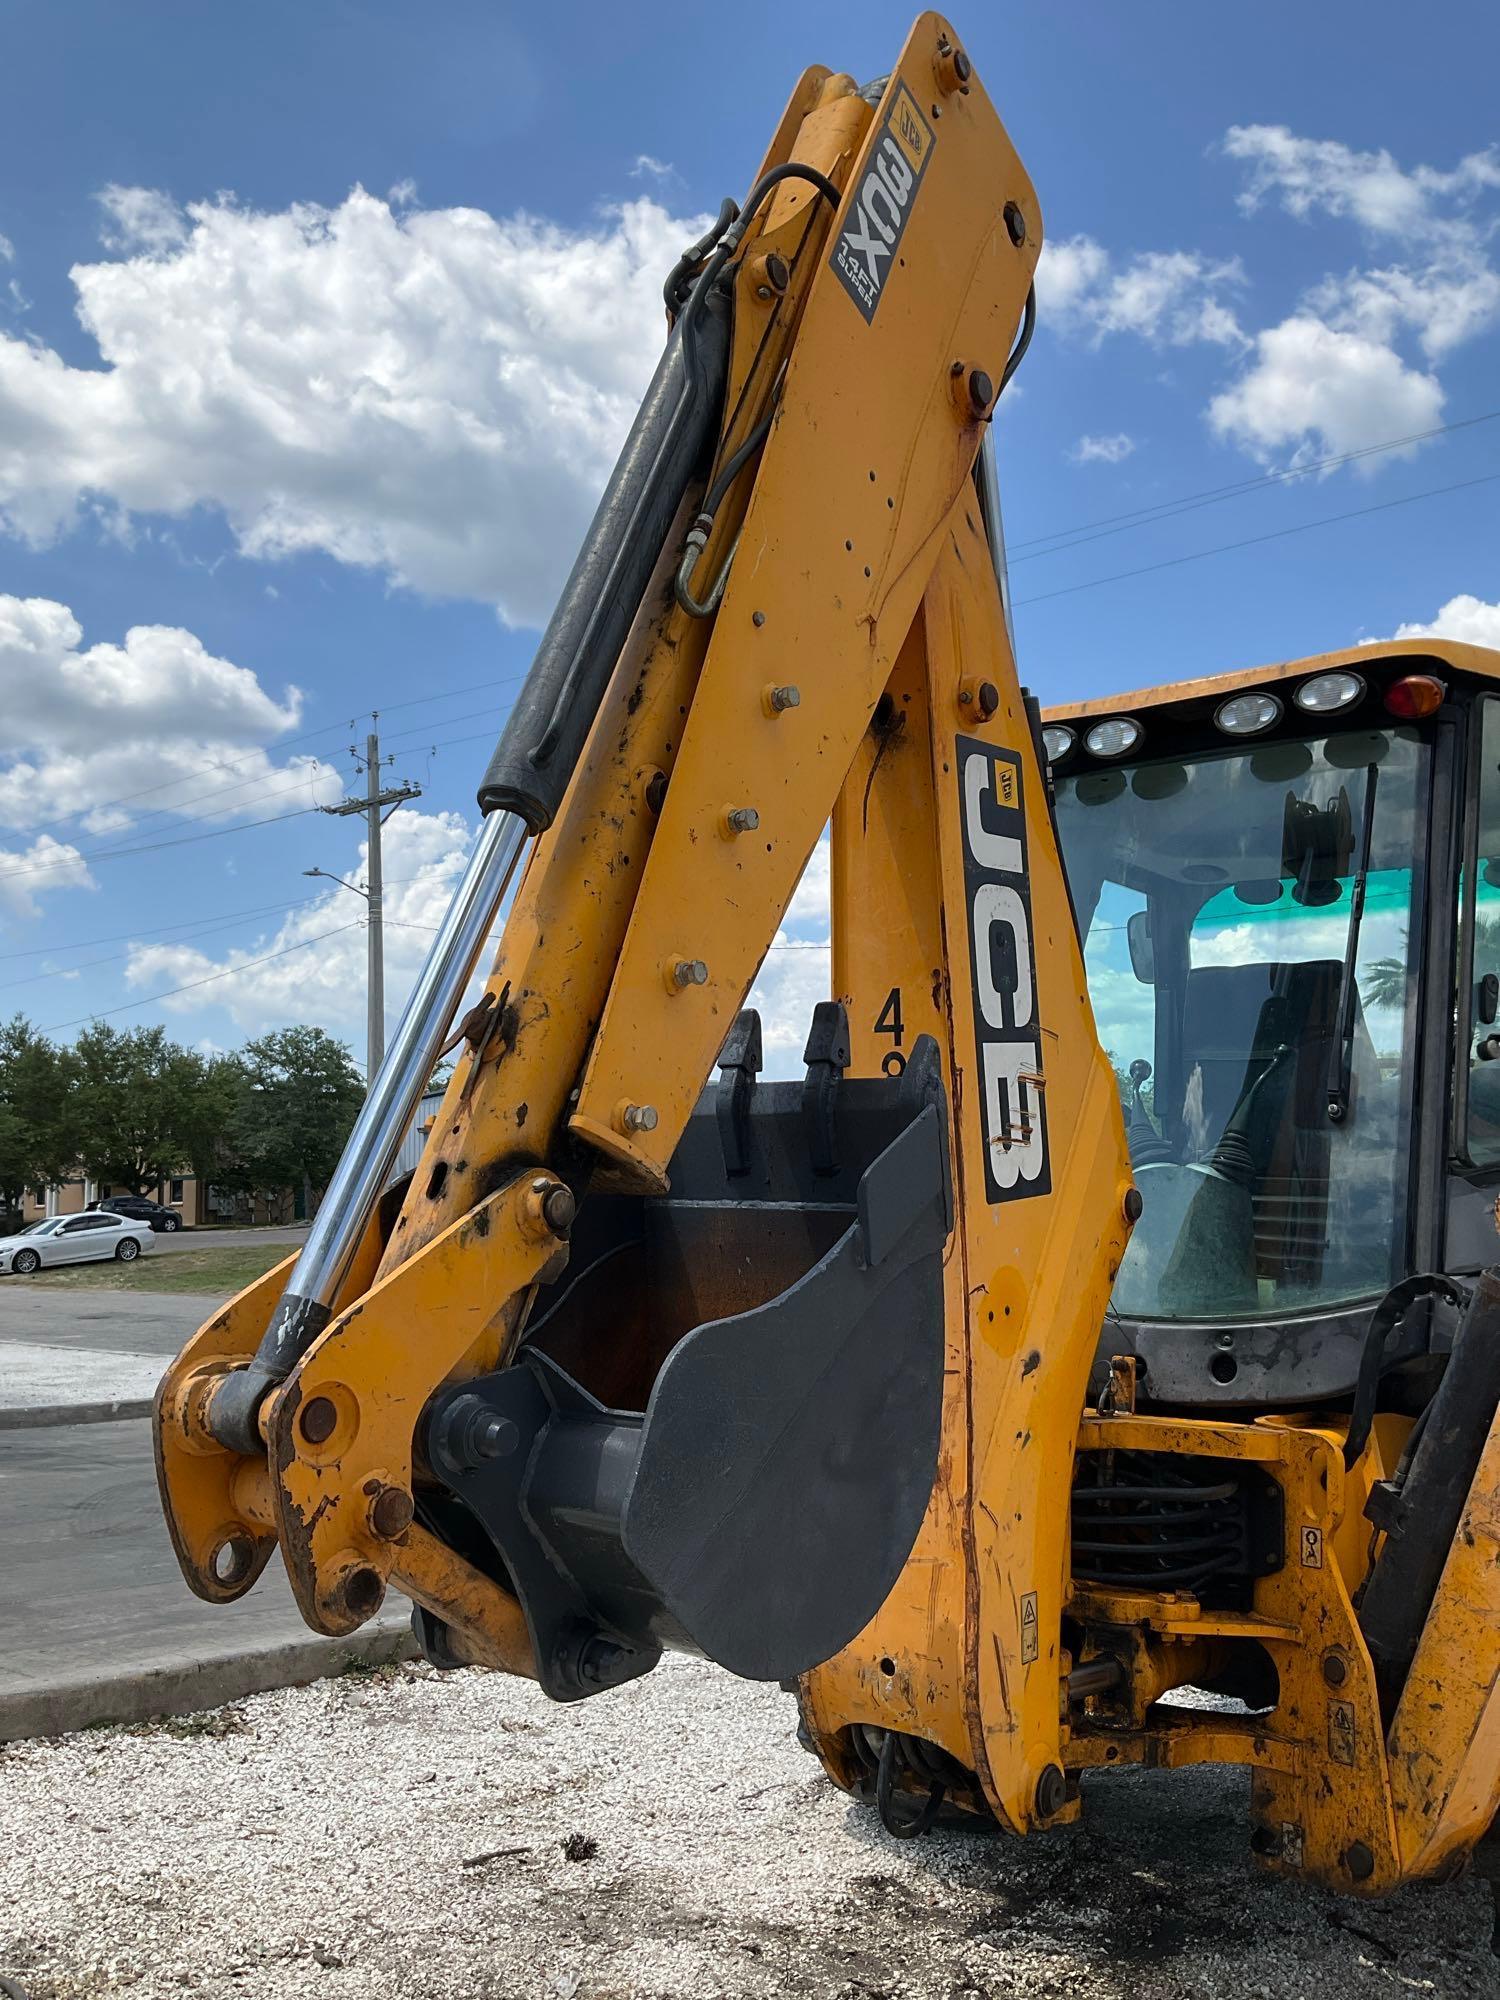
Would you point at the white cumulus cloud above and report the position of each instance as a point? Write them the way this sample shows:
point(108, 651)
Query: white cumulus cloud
point(151, 726)
point(1333, 376)
point(1170, 298)
point(1111, 450)
point(1468, 619)
point(436, 394)
point(1324, 176)
point(1323, 390)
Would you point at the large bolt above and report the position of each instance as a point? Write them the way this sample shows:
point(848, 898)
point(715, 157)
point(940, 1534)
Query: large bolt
point(742, 819)
point(989, 699)
point(1359, 1861)
point(1015, 223)
point(1051, 1792)
point(318, 1420)
point(391, 1512)
point(598, 1661)
point(981, 391)
point(558, 1210)
point(492, 1437)
point(1133, 1204)
point(656, 791)
point(639, 1118)
point(690, 972)
point(1335, 1669)
point(780, 699)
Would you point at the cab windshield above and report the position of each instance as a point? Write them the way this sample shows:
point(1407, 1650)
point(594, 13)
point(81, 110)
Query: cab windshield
point(1248, 941)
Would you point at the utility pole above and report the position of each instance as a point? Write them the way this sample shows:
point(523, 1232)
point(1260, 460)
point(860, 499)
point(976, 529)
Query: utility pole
point(374, 806)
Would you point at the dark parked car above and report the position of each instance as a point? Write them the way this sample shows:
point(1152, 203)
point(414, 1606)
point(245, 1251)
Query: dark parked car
point(140, 1209)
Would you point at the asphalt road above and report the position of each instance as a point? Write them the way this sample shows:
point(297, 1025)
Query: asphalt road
point(90, 1590)
point(111, 1322)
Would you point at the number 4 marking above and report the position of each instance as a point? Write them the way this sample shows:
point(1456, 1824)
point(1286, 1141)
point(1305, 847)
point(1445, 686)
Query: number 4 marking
point(888, 1021)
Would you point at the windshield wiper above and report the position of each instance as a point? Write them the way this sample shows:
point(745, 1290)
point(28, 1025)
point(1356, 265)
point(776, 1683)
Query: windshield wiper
point(1341, 1067)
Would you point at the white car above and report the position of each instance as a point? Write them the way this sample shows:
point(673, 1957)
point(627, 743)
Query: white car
point(74, 1239)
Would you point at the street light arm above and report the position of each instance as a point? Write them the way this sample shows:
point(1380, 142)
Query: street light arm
point(327, 877)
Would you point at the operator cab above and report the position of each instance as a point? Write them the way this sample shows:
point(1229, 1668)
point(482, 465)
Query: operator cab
point(1279, 880)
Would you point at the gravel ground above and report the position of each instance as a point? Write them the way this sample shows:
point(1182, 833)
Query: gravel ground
point(426, 1838)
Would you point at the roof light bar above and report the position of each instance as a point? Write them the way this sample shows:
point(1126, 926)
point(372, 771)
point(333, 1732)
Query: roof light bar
point(1325, 694)
point(1116, 737)
point(1247, 714)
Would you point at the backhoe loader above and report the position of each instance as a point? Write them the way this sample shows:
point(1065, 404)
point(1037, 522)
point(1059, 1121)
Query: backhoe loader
point(1093, 1359)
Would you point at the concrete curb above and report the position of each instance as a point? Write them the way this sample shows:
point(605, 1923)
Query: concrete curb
point(185, 1687)
point(38, 1416)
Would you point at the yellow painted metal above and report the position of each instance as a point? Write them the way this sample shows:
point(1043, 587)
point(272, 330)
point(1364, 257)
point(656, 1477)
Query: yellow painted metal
point(844, 525)
point(861, 576)
point(370, 1379)
point(1445, 1736)
point(220, 1551)
point(1321, 1801)
point(966, 1650)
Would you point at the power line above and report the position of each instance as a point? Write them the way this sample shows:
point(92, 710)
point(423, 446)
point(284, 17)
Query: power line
point(153, 846)
point(187, 923)
point(119, 957)
point(1163, 509)
point(1253, 541)
point(229, 972)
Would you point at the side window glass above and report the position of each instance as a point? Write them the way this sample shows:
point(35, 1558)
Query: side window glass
point(1484, 1075)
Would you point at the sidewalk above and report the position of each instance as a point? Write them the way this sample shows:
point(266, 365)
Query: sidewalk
point(74, 1357)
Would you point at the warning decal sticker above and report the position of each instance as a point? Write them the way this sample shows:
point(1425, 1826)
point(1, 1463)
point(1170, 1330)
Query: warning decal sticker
point(865, 251)
point(1030, 1629)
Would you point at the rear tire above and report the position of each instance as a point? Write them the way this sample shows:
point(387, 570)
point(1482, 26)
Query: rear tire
point(169, 1223)
point(25, 1262)
point(125, 1249)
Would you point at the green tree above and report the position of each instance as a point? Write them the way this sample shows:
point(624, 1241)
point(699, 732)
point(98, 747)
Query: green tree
point(299, 1095)
point(37, 1136)
point(140, 1105)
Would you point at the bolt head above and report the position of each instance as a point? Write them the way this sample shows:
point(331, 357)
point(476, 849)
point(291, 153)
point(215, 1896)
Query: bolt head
point(989, 699)
point(318, 1420)
point(1335, 1669)
point(640, 1118)
point(1051, 1792)
point(690, 972)
point(757, 617)
point(391, 1512)
point(558, 1210)
point(981, 391)
point(963, 69)
point(656, 791)
point(1359, 1861)
point(1134, 1203)
point(491, 1436)
point(1015, 223)
point(783, 698)
point(744, 819)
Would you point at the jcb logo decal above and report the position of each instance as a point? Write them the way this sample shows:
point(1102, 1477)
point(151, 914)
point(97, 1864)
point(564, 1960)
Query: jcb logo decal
point(1012, 1107)
point(868, 242)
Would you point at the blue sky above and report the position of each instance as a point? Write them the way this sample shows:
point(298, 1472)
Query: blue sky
point(321, 451)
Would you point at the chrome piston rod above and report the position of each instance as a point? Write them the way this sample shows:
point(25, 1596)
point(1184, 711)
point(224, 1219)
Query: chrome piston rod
point(307, 1305)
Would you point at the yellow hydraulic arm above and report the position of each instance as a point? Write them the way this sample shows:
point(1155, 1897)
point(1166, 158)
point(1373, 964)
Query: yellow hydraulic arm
point(653, 1352)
